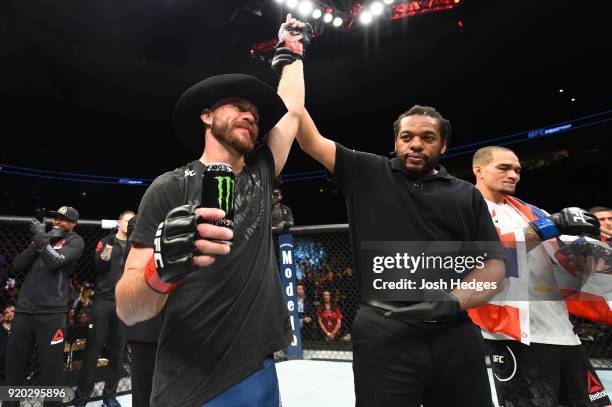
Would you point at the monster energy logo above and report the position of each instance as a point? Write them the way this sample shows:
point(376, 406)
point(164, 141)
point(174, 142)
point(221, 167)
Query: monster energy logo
point(226, 183)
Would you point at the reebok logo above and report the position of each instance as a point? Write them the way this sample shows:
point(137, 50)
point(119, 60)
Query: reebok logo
point(593, 384)
point(58, 337)
point(594, 387)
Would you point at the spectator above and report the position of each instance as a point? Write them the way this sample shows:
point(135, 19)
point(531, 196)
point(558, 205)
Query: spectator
point(328, 283)
point(282, 217)
point(71, 317)
point(106, 328)
point(42, 305)
point(83, 317)
point(604, 216)
point(329, 317)
point(304, 308)
point(7, 318)
point(310, 285)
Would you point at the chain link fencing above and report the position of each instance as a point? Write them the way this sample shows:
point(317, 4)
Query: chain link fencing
point(323, 259)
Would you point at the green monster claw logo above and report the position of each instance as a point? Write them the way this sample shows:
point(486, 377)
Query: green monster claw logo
point(227, 184)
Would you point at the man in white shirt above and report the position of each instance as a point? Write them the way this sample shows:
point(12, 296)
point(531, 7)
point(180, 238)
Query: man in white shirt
point(543, 365)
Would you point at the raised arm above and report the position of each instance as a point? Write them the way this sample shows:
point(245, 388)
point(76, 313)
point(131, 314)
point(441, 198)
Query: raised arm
point(290, 88)
point(314, 144)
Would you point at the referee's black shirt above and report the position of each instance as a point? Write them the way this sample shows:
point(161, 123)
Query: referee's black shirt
point(387, 203)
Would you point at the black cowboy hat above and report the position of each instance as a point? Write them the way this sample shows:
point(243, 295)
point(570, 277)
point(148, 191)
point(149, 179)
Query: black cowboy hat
point(206, 93)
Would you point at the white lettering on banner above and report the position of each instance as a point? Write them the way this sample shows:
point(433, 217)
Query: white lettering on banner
point(288, 272)
point(292, 320)
point(289, 290)
point(290, 306)
point(294, 341)
point(287, 258)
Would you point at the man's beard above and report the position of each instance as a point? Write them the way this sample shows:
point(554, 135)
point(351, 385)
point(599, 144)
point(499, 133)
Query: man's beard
point(428, 166)
point(221, 130)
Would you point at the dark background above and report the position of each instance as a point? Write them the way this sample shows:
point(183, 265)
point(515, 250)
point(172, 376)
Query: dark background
point(89, 87)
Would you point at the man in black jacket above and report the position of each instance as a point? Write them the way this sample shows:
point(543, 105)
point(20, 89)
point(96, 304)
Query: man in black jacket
point(42, 304)
point(105, 323)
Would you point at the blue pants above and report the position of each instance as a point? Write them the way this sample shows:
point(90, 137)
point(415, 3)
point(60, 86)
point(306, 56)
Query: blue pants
point(257, 390)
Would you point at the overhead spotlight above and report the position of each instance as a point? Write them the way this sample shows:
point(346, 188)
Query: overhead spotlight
point(376, 8)
point(573, 99)
point(560, 90)
point(337, 22)
point(305, 7)
point(292, 3)
point(388, 1)
point(316, 14)
point(365, 17)
point(328, 18)
point(278, 1)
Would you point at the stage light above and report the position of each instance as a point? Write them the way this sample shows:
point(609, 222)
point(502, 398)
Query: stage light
point(388, 1)
point(573, 99)
point(365, 17)
point(328, 18)
point(278, 1)
point(292, 3)
point(561, 90)
point(316, 14)
point(337, 22)
point(305, 7)
point(376, 8)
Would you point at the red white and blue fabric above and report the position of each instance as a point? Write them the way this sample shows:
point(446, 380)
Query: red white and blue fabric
point(508, 312)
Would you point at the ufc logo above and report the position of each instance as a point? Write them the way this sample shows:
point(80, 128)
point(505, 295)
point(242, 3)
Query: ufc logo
point(159, 263)
point(577, 215)
point(498, 359)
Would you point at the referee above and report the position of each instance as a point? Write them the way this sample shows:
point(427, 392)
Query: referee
point(414, 353)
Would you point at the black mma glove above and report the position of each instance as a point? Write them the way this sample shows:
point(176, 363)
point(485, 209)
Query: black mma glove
point(55, 235)
point(570, 221)
point(291, 46)
point(174, 250)
point(438, 305)
point(600, 252)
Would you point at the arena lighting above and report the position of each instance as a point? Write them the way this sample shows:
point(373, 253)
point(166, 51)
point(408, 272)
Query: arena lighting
point(376, 8)
point(279, 1)
point(337, 22)
point(328, 18)
point(305, 7)
point(316, 14)
point(388, 1)
point(365, 17)
point(292, 3)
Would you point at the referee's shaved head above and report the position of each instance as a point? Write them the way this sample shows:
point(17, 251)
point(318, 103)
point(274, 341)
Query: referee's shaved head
point(485, 155)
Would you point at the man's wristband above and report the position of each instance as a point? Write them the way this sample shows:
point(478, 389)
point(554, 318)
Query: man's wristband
point(153, 280)
point(545, 228)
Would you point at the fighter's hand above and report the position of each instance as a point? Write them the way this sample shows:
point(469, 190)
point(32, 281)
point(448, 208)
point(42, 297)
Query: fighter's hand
point(438, 305)
point(569, 221)
point(294, 30)
point(293, 37)
point(590, 257)
point(181, 246)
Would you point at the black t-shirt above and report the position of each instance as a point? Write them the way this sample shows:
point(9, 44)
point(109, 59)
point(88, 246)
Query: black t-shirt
point(386, 203)
point(223, 320)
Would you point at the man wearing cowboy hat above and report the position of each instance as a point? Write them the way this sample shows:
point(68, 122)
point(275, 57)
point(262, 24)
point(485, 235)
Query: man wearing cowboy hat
point(42, 305)
point(224, 310)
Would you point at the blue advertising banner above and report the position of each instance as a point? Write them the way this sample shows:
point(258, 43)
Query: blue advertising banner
point(288, 281)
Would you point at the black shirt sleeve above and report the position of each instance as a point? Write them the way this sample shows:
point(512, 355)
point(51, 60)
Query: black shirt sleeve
point(352, 167)
point(70, 252)
point(163, 195)
point(24, 260)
